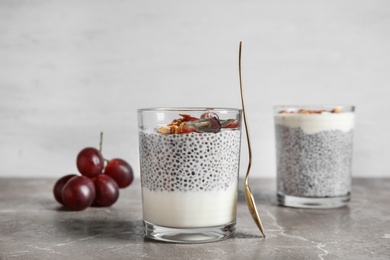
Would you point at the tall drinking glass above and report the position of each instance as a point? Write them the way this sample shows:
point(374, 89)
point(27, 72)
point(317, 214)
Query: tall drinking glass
point(314, 155)
point(189, 160)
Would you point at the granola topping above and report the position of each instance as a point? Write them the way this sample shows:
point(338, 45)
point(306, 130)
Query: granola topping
point(207, 123)
point(307, 111)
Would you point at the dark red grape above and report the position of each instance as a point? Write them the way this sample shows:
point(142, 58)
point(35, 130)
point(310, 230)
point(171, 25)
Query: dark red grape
point(120, 171)
point(57, 190)
point(90, 162)
point(78, 193)
point(107, 191)
point(209, 114)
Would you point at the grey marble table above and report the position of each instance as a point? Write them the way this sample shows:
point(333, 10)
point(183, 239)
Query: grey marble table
point(34, 226)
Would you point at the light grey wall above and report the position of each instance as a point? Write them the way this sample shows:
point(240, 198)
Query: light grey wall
point(70, 69)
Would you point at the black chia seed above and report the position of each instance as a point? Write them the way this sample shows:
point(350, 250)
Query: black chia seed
point(193, 158)
point(313, 165)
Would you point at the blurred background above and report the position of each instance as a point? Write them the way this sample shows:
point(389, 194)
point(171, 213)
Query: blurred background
point(71, 69)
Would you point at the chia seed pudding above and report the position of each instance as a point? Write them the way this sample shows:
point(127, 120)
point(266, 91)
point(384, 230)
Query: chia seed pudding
point(189, 180)
point(314, 153)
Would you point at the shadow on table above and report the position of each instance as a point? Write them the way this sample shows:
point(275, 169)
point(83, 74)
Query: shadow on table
point(89, 227)
point(132, 231)
point(242, 235)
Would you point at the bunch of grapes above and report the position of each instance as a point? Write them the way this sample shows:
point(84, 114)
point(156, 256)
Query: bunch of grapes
point(99, 182)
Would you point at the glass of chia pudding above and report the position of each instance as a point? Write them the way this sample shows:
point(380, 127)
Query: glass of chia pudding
point(314, 155)
point(189, 160)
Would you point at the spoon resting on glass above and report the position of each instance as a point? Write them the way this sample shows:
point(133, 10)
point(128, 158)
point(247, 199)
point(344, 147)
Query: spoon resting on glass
point(248, 194)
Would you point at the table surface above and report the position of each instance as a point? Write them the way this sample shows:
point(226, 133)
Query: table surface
point(34, 226)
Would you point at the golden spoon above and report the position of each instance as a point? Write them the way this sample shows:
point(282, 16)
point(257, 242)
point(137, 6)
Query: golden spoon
point(248, 194)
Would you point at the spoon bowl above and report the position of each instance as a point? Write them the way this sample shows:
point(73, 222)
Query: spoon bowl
point(252, 208)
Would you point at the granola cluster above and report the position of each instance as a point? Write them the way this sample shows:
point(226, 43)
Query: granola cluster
point(177, 126)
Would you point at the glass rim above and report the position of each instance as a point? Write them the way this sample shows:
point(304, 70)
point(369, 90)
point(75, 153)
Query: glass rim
point(348, 108)
point(188, 109)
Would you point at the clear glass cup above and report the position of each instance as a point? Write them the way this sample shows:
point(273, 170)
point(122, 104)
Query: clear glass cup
point(189, 160)
point(314, 155)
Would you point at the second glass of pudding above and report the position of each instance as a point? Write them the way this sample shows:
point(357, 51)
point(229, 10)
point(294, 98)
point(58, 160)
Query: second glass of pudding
point(189, 160)
point(314, 155)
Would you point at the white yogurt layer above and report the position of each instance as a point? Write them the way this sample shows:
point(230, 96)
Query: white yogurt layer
point(314, 123)
point(190, 209)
